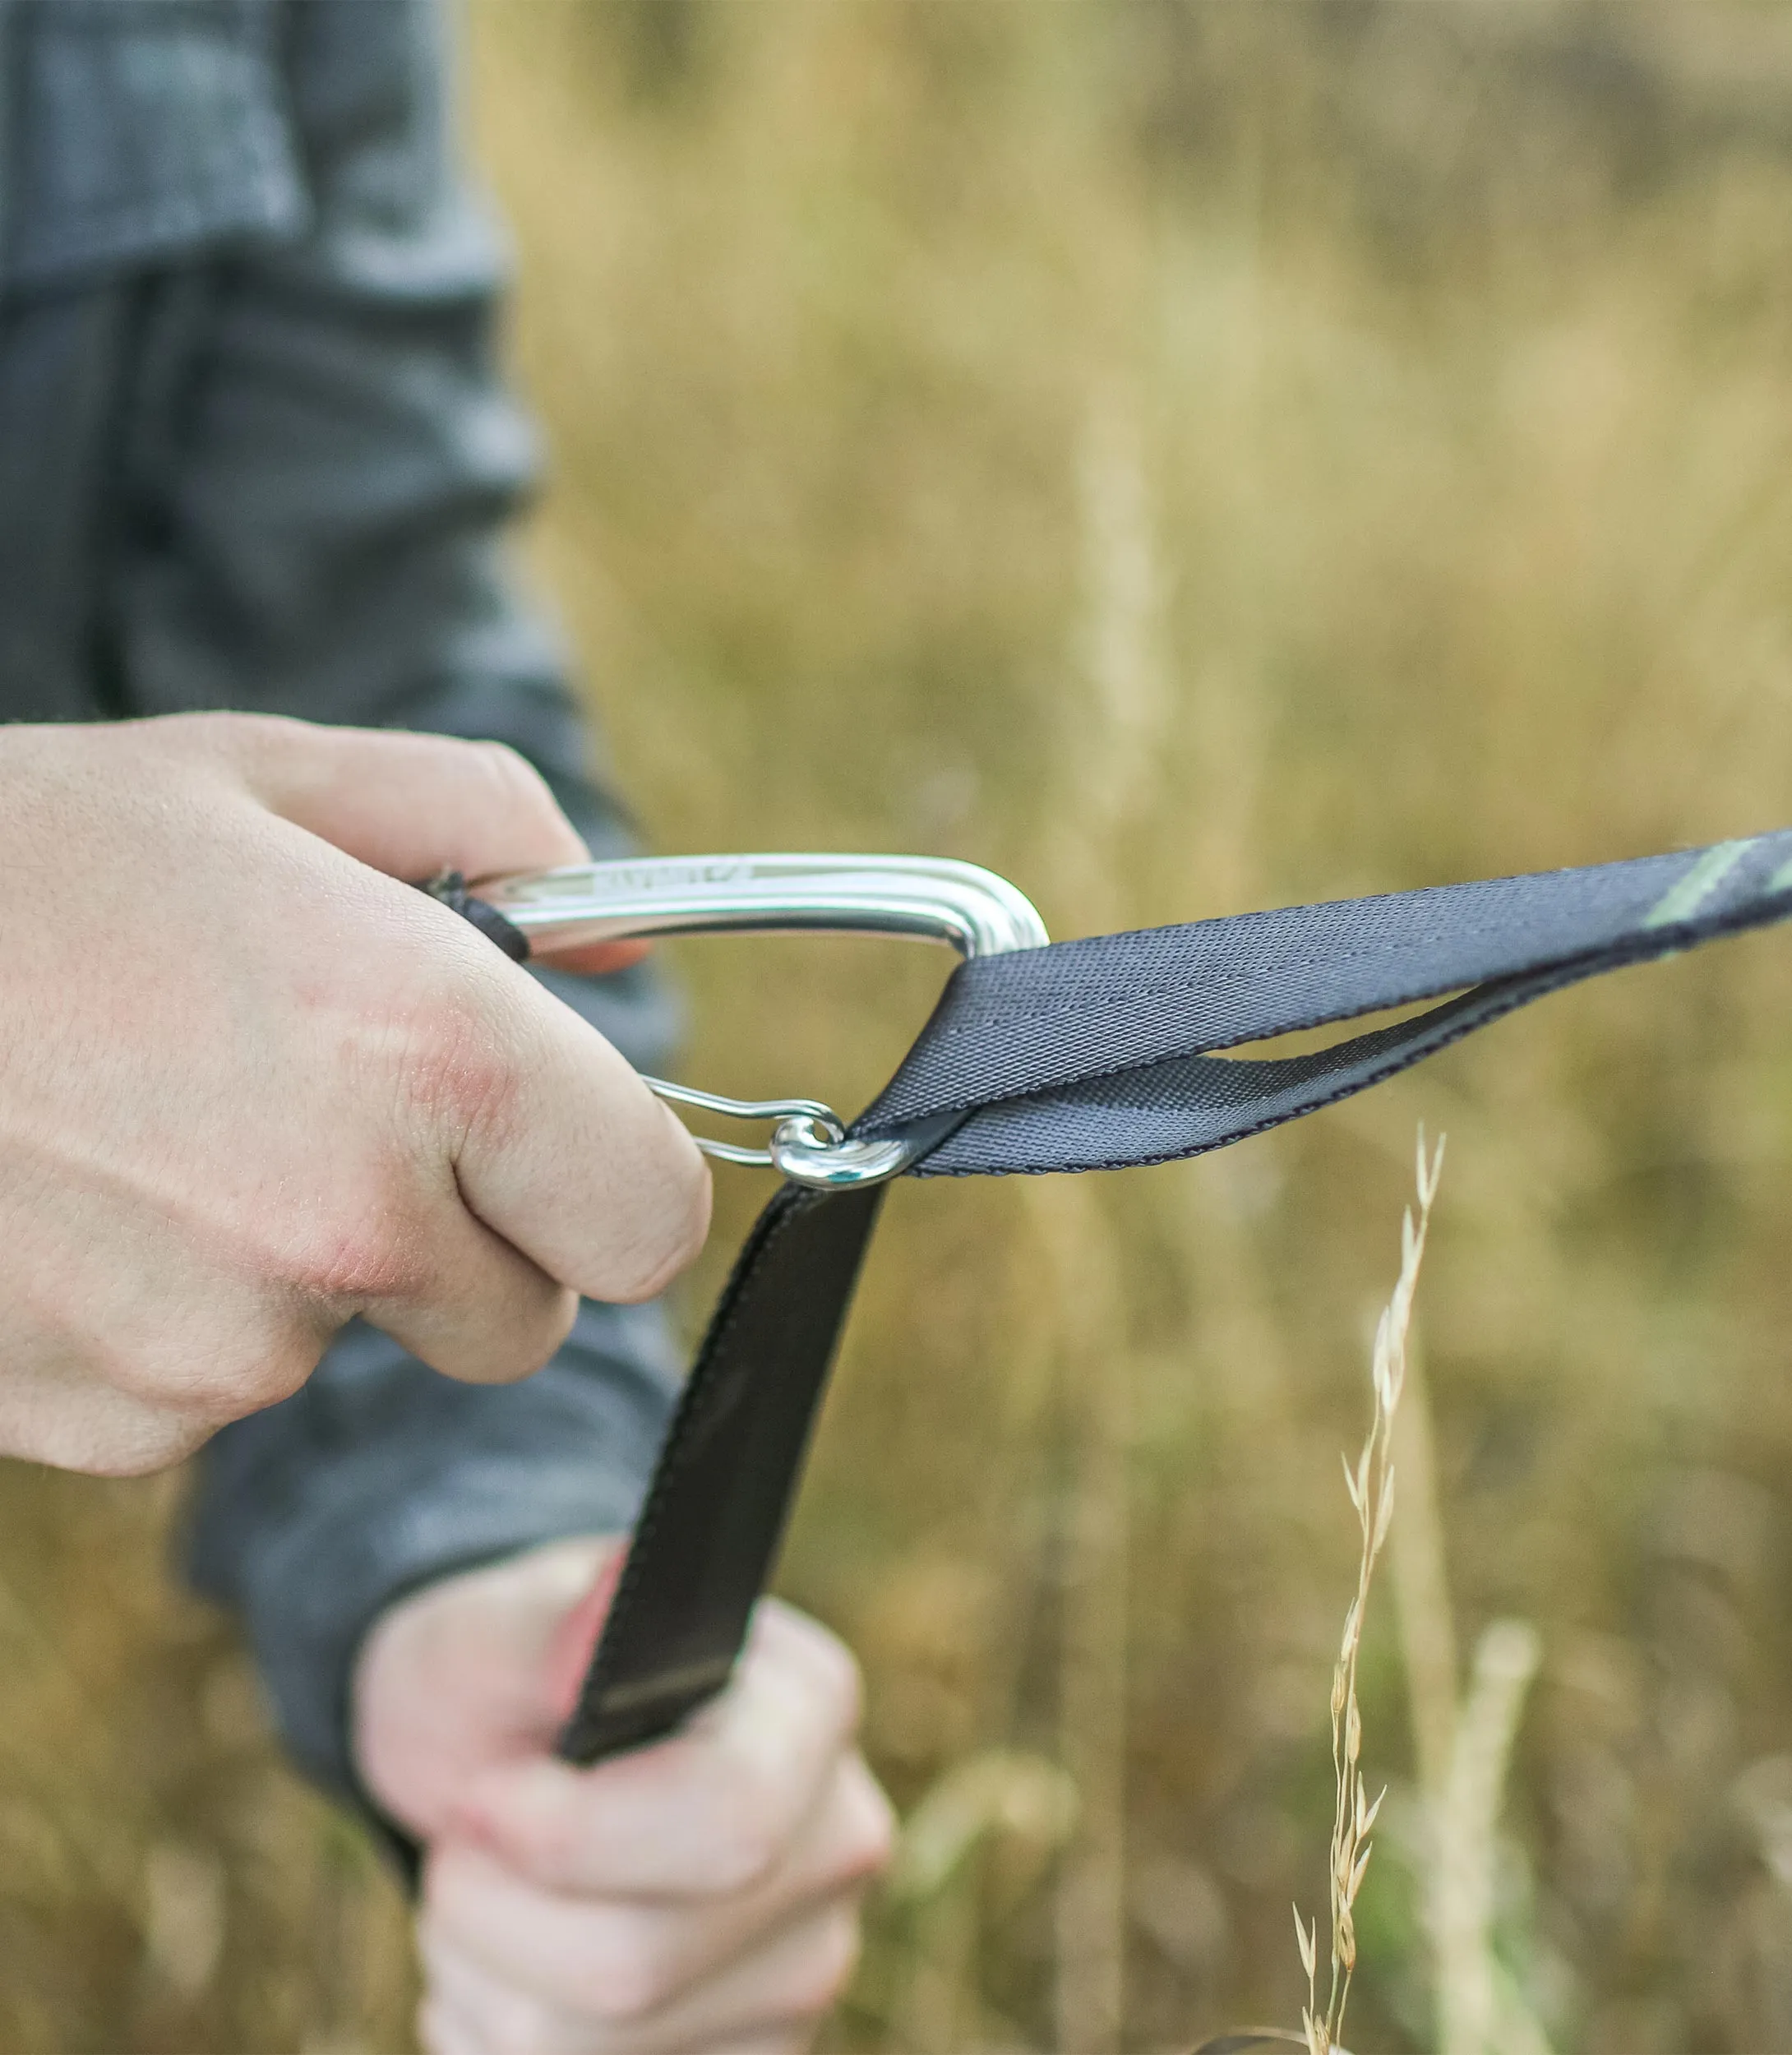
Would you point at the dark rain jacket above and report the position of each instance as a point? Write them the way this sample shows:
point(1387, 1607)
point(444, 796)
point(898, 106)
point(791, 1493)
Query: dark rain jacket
point(254, 454)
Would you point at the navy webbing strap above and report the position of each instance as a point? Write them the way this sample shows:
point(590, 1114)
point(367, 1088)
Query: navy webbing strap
point(1090, 1055)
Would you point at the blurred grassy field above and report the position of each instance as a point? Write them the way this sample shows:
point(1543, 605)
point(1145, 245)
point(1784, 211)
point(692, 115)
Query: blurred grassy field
point(1190, 454)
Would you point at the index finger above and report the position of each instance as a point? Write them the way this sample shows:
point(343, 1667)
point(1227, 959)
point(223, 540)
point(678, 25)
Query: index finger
point(708, 1813)
point(407, 804)
point(558, 1145)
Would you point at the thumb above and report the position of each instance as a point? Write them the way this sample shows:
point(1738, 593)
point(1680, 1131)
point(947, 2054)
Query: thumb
point(408, 805)
point(462, 1676)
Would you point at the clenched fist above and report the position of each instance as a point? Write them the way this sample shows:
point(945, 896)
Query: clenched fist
point(253, 1085)
point(697, 1897)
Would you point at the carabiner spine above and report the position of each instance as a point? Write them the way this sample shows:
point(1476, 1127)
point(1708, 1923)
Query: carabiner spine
point(929, 899)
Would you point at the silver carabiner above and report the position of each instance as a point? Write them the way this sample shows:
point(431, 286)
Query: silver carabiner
point(929, 899)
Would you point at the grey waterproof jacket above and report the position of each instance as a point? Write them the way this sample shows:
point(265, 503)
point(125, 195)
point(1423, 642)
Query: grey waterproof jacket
point(254, 454)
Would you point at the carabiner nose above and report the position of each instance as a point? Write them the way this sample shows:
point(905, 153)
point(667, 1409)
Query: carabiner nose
point(928, 898)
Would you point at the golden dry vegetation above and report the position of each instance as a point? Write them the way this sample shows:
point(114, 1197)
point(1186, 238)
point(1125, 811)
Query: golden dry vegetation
point(1190, 454)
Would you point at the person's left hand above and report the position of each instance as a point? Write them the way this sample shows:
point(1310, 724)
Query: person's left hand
point(701, 1895)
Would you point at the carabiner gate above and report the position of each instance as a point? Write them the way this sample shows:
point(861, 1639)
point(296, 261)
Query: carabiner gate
point(928, 898)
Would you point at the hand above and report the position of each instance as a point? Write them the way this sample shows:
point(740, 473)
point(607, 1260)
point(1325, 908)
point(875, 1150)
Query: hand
point(252, 1086)
point(701, 1895)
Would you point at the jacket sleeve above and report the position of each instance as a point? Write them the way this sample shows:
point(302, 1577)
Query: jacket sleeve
point(322, 461)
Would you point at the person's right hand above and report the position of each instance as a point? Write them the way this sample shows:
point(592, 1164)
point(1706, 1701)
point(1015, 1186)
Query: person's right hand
point(697, 1897)
point(253, 1085)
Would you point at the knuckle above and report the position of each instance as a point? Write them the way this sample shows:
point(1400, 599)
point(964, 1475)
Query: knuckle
point(362, 1246)
point(128, 1442)
point(243, 746)
point(457, 1070)
point(214, 1378)
point(235, 729)
point(273, 1372)
point(225, 730)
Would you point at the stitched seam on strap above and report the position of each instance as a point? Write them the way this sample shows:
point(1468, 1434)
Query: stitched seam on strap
point(1222, 978)
point(1526, 986)
point(995, 1019)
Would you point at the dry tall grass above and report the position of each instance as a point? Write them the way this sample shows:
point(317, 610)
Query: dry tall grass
point(1454, 344)
point(1370, 1486)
